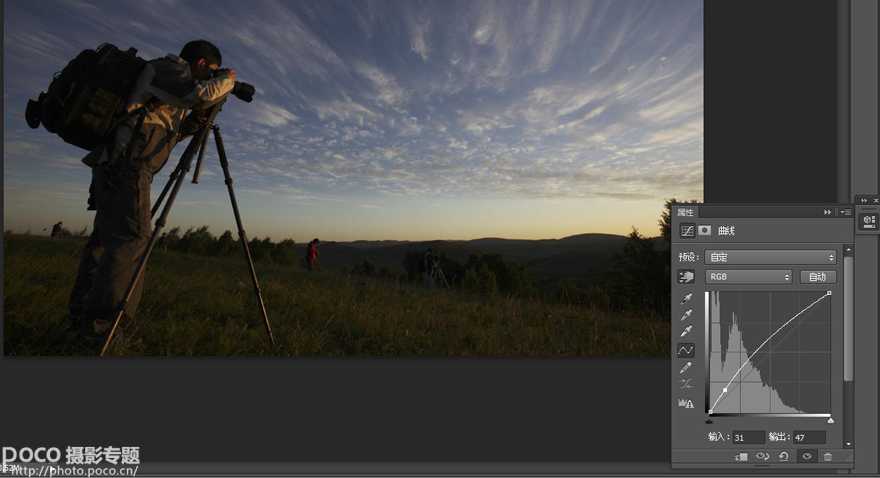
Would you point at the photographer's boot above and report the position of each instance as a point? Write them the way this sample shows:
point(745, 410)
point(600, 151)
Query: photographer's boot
point(101, 327)
point(93, 333)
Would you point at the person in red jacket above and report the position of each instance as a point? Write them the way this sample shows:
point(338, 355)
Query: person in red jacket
point(312, 254)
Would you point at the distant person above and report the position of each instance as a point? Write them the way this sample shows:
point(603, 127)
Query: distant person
point(57, 230)
point(312, 254)
point(428, 268)
point(437, 275)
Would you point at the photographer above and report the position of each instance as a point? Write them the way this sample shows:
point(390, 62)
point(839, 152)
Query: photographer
point(122, 173)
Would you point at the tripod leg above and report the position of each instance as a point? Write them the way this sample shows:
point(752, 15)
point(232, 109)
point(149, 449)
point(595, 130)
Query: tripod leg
point(198, 169)
point(173, 177)
point(186, 160)
point(221, 152)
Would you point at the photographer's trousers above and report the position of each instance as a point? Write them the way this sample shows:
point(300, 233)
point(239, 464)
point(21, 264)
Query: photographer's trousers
point(121, 232)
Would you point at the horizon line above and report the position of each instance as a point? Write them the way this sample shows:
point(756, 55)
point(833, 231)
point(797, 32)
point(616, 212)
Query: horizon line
point(331, 241)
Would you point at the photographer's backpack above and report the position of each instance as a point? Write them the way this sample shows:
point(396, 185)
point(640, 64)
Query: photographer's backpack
point(86, 100)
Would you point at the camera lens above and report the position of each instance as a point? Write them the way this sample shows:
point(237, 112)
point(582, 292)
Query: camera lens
point(244, 91)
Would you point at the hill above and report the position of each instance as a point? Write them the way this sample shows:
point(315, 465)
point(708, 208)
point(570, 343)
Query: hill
point(583, 257)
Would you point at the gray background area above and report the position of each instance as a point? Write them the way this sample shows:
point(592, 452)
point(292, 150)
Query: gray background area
point(474, 412)
point(865, 16)
point(324, 410)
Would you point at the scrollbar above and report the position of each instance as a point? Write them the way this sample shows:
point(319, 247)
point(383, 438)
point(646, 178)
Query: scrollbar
point(707, 348)
point(848, 385)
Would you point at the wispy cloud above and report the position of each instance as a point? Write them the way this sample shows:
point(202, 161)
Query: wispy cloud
point(272, 115)
point(359, 101)
point(345, 110)
point(387, 91)
point(419, 30)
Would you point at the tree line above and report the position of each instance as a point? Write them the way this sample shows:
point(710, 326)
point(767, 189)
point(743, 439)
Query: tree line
point(200, 241)
point(637, 281)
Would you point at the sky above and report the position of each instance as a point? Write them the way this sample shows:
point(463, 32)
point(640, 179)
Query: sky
point(406, 120)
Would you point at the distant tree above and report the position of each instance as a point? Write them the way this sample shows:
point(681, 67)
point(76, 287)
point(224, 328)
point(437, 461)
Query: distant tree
point(487, 280)
point(169, 240)
point(412, 264)
point(510, 279)
point(225, 244)
point(598, 298)
point(284, 252)
point(261, 250)
point(568, 292)
point(637, 280)
point(257, 253)
point(479, 277)
point(197, 241)
point(471, 281)
point(268, 247)
point(365, 268)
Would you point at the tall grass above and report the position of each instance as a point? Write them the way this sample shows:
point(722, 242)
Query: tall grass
point(202, 306)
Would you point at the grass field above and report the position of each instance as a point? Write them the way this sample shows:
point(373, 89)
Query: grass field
point(200, 306)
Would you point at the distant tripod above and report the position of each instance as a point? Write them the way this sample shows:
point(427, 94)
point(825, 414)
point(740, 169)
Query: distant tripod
point(437, 274)
point(197, 143)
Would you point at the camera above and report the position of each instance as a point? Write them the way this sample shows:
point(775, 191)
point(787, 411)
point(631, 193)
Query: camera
point(241, 90)
point(244, 91)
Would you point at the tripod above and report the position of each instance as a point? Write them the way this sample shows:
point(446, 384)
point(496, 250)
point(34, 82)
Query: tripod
point(438, 275)
point(175, 181)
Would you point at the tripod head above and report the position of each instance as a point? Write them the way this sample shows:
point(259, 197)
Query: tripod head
point(241, 90)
